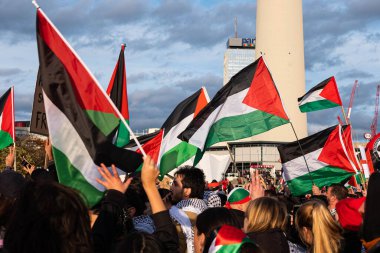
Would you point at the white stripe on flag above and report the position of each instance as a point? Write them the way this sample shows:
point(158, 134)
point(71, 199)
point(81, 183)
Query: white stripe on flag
point(312, 97)
point(233, 106)
point(65, 138)
point(297, 167)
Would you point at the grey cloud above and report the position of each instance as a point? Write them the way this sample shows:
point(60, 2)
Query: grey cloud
point(10, 71)
point(327, 24)
point(151, 107)
point(354, 74)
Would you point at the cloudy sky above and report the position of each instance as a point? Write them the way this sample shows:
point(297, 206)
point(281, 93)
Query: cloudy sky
point(176, 46)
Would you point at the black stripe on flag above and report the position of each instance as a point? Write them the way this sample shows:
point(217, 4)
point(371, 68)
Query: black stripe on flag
point(309, 144)
point(239, 82)
point(319, 86)
point(3, 100)
point(182, 110)
point(58, 86)
point(116, 93)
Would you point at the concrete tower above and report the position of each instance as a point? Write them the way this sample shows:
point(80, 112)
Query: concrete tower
point(279, 39)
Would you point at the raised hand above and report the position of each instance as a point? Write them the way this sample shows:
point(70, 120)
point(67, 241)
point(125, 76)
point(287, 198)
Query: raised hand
point(48, 149)
point(149, 172)
point(315, 190)
point(9, 160)
point(257, 186)
point(29, 168)
point(112, 181)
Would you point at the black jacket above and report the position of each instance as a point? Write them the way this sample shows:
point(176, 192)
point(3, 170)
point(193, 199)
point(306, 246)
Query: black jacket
point(271, 241)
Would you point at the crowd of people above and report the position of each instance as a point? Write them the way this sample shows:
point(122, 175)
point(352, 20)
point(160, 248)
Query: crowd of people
point(37, 214)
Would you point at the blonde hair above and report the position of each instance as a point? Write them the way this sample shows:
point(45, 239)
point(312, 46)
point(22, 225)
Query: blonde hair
point(326, 233)
point(265, 213)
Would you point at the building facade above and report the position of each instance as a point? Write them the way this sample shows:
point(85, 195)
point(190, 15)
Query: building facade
point(239, 54)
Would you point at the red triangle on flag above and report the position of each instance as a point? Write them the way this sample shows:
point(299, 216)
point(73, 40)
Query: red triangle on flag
point(202, 102)
point(153, 146)
point(229, 235)
point(263, 94)
point(330, 92)
point(333, 152)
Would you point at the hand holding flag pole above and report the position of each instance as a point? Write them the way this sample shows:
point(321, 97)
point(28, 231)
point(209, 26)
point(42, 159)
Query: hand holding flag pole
point(96, 83)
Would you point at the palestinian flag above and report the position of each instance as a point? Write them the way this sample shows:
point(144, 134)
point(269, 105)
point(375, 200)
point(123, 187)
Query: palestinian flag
point(347, 138)
point(117, 90)
point(323, 96)
point(326, 157)
point(7, 126)
point(247, 105)
point(228, 239)
point(174, 151)
point(79, 114)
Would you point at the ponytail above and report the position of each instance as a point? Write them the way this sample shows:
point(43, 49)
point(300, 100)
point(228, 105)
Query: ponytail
point(326, 233)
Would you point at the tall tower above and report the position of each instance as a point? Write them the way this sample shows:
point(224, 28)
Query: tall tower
point(279, 39)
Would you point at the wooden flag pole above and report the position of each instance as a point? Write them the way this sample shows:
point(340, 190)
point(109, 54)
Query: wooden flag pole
point(303, 154)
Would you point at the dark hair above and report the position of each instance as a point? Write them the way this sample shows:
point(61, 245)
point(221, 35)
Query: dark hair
point(339, 191)
point(132, 199)
point(223, 198)
point(48, 217)
point(371, 220)
point(211, 219)
point(194, 179)
point(140, 242)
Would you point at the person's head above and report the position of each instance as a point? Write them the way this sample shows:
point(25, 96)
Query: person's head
point(48, 217)
point(265, 213)
point(239, 199)
point(189, 182)
point(335, 193)
point(134, 203)
point(207, 222)
point(11, 184)
point(317, 228)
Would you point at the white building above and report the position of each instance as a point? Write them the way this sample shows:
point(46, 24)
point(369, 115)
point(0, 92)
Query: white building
point(239, 54)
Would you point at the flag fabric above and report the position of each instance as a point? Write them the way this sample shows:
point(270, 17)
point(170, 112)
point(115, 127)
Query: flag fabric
point(347, 138)
point(79, 115)
point(228, 239)
point(117, 90)
point(7, 126)
point(326, 156)
point(174, 151)
point(247, 105)
point(152, 147)
point(322, 96)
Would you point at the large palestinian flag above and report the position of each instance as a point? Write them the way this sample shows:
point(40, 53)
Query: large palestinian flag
point(117, 90)
point(79, 115)
point(7, 126)
point(247, 105)
point(326, 156)
point(322, 96)
point(174, 151)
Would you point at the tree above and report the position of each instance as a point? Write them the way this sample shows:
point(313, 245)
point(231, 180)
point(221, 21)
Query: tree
point(30, 147)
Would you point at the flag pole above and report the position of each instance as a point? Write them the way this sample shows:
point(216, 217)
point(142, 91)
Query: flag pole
point(13, 128)
point(95, 81)
point(344, 114)
point(303, 154)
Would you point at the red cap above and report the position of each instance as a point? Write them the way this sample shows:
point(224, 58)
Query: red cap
point(349, 216)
